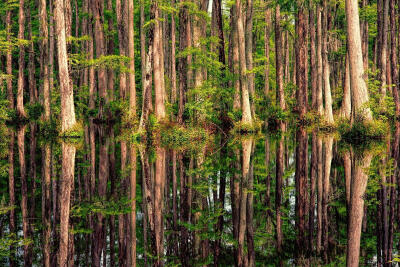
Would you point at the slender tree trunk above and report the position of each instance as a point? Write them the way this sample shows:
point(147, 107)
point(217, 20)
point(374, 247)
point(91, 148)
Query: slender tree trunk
point(10, 94)
point(280, 95)
point(320, 106)
point(268, 22)
point(184, 37)
point(393, 58)
point(383, 21)
point(301, 59)
point(21, 60)
point(313, 61)
point(326, 66)
point(346, 104)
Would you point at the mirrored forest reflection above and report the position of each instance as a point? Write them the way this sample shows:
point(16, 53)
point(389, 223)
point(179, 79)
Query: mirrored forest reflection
point(297, 197)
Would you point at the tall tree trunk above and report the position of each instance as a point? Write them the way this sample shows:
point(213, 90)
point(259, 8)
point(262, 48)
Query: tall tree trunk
point(268, 22)
point(24, 193)
point(328, 154)
point(393, 58)
point(346, 103)
point(313, 56)
point(184, 43)
point(383, 21)
point(246, 108)
point(21, 60)
point(98, 16)
point(326, 66)
point(359, 92)
point(301, 60)
point(280, 95)
point(44, 57)
point(10, 94)
point(320, 106)
point(158, 67)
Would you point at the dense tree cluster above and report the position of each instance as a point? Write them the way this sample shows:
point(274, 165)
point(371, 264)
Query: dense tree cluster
point(144, 122)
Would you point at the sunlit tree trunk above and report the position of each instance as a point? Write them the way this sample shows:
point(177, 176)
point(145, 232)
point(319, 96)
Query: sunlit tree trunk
point(234, 57)
point(359, 180)
point(359, 92)
point(159, 90)
point(244, 84)
point(320, 107)
point(326, 66)
point(67, 121)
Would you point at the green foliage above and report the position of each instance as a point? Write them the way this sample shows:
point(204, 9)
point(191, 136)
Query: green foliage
point(181, 138)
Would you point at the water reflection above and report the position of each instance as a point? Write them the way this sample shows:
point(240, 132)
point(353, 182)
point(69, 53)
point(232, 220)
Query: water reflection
point(288, 198)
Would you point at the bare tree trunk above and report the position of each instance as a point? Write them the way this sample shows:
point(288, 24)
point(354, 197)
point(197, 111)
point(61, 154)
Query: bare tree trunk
point(246, 108)
point(393, 58)
point(184, 43)
point(320, 106)
point(21, 60)
point(301, 60)
point(383, 21)
point(10, 94)
point(326, 67)
point(359, 92)
point(268, 22)
point(313, 55)
point(159, 89)
point(280, 95)
point(346, 104)
point(44, 57)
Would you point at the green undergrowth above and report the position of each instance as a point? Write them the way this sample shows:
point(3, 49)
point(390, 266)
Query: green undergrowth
point(362, 131)
point(247, 128)
point(182, 138)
